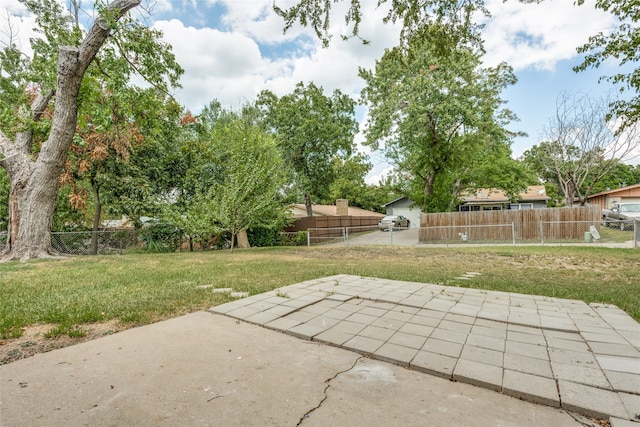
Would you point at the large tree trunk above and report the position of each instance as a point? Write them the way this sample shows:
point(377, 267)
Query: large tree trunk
point(35, 183)
point(31, 205)
point(243, 239)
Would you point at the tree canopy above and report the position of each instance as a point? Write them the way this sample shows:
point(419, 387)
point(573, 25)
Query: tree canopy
point(311, 129)
point(437, 114)
point(412, 14)
point(232, 178)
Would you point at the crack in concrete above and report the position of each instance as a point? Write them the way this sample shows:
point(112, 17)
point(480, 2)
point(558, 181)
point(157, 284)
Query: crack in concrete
point(328, 384)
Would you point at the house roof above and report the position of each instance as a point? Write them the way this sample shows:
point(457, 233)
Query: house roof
point(494, 195)
point(616, 190)
point(394, 201)
point(330, 210)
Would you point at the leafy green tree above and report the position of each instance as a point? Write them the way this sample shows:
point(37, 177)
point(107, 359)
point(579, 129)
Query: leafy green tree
point(623, 46)
point(233, 181)
point(311, 129)
point(249, 196)
point(32, 123)
point(437, 114)
point(349, 179)
point(620, 175)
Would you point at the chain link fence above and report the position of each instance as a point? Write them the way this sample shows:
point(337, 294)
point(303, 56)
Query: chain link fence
point(94, 243)
point(89, 242)
point(552, 232)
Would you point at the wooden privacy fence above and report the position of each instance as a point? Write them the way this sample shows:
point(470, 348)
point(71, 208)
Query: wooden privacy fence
point(509, 224)
point(331, 226)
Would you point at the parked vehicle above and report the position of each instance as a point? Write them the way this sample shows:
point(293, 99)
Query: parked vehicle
point(621, 215)
point(394, 221)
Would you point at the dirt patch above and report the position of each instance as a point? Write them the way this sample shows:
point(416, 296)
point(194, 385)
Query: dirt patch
point(33, 340)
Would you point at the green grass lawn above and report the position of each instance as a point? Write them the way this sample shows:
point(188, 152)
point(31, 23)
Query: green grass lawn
point(142, 288)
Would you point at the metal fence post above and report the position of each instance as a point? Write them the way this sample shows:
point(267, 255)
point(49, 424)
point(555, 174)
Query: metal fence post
point(390, 234)
point(308, 238)
point(345, 235)
point(513, 232)
point(541, 233)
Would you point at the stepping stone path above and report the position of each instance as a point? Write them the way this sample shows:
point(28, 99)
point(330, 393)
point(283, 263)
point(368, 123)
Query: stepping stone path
point(229, 291)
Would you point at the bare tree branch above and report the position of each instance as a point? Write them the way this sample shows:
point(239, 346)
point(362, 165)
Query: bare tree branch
point(582, 146)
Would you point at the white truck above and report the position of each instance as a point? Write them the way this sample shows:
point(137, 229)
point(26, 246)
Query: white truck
point(621, 215)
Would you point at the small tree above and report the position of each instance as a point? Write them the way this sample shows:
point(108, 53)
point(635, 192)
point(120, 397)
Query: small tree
point(233, 182)
point(249, 196)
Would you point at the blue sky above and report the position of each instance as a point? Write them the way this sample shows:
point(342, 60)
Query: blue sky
point(233, 49)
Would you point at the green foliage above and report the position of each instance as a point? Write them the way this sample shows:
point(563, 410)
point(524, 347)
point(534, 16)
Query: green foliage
point(621, 175)
point(556, 199)
point(13, 80)
point(232, 176)
point(114, 115)
point(161, 237)
point(350, 184)
point(264, 236)
point(65, 218)
point(413, 14)
point(249, 196)
point(311, 129)
point(297, 239)
point(623, 46)
point(194, 218)
point(438, 113)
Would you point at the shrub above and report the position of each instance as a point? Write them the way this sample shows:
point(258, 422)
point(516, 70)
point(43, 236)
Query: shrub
point(264, 236)
point(297, 239)
point(161, 237)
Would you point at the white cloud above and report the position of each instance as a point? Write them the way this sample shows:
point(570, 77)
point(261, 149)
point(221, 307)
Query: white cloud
point(540, 34)
point(378, 174)
point(228, 65)
point(221, 65)
point(17, 26)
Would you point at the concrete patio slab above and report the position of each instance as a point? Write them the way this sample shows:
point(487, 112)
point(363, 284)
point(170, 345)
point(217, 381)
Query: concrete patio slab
point(546, 350)
point(204, 369)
